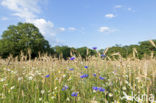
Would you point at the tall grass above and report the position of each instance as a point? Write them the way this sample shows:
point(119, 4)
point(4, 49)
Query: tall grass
point(43, 80)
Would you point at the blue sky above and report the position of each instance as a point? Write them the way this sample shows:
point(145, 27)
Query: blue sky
point(78, 23)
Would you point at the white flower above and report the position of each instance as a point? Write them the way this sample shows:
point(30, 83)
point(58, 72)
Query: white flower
point(30, 78)
point(40, 99)
point(52, 97)
point(110, 94)
point(12, 87)
point(123, 88)
point(64, 76)
point(126, 81)
point(42, 91)
point(49, 91)
point(14, 72)
point(20, 78)
point(94, 91)
point(68, 99)
point(3, 79)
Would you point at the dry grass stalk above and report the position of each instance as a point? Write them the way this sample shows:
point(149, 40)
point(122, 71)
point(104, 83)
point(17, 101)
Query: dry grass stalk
point(29, 54)
point(134, 52)
point(87, 52)
point(152, 43)
point(106, 50)
point(152, 54)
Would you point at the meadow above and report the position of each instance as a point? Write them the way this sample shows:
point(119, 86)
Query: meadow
point(52, 80)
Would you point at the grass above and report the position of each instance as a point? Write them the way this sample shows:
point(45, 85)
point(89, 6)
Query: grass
point(42, 81)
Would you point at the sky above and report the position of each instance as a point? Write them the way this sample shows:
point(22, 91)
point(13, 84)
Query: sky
point(79, 23)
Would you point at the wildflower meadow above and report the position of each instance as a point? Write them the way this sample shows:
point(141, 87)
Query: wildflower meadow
point(95, 80)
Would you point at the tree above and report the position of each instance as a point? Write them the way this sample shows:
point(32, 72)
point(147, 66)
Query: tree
point(83, 52)
point(146, 48)
point(63, 51)
point(22, 37)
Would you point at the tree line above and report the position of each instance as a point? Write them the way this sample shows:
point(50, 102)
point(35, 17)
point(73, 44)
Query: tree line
point(25, 38)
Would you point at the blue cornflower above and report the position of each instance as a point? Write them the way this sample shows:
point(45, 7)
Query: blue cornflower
point(94, 75)
point(84, 76)
point(98, 89)
point(64, 88)
point(81, 76)
point(94, 48)
point(102, 78)
point(101, 89)
point(47, 76)
point(74, 94)
point(72, 58)
point(71, 69)
point(103, 55)
point(95, 88)
point(86, 67)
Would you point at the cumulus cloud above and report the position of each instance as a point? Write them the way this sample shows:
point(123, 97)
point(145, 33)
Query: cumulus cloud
point(22, 8)
point(28, 10)
point(61, 29)
point(109, 15)
point(71, 28)
point(45, 27)
point(104, 29)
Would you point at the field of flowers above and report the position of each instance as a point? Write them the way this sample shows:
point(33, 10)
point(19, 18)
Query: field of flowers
point(49, 80)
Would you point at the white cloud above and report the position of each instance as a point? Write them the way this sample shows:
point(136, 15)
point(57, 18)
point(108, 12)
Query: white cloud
point(4, 18)
point(22, 8)
point(28, 10)
point(71, 28)
point(62, 29)
point(45, 27)
point(109, 15)
point(118, 6)
point(104, 29)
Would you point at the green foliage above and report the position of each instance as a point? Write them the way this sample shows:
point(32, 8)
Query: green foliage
point(83, 52)
point(143, 48)
point(22, 37)
point(26, 36)
point(63, 51)
point(146, 47)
